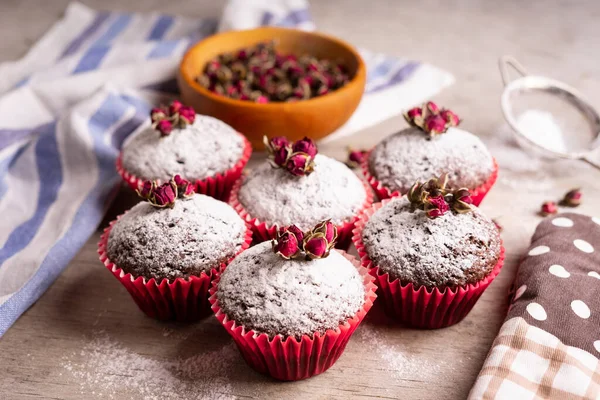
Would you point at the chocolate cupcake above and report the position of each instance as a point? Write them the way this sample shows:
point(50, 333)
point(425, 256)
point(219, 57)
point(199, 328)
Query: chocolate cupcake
point(429, 147)
point(295, 293)
point(199, 148)
point(299, 186)
point(436, 243)
point(175, 240)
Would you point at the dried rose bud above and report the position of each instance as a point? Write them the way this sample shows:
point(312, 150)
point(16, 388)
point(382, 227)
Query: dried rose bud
point(299, 164)
point(184, 187)
point(462, 201)
point(188, 114)
point(278, 142)
point(296, 232)
point(316, 246)
point(435, 125)
point(262, 99)
point(436, 206)
point(157, 113)
point(164, 127)
point(164, 195)
point(306, 145)
point(572, 198)
point(280, 157)
point(286, 245)
point(175, 107)
point(432, 107)
point(548, 208)
point(417, 194)
point(414, 113)
point(355, 158)
point(450, 117)
point(328, 229)
point(146, 190)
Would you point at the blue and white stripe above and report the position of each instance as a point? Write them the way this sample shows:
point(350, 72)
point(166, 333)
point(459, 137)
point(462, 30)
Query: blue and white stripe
point(60, 135)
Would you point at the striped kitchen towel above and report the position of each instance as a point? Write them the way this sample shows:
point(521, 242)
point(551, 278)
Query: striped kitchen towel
point(67, 106)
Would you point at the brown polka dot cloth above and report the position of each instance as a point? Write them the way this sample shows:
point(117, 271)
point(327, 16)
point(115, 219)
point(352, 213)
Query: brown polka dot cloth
point(549, 344)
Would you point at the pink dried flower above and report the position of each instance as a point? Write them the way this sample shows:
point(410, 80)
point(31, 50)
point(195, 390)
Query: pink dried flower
point(316, 246)
point(296, 232)
point(414, 113)
point(184, 187)
point(164, 195)
point(432, 107)
point(286, 245)
point(188, 114)
point(572, 198)
point(355, 158)
point(328, 229)
point(306, 145)
point(146, 190)
point(175, 107)
point(299, 164)
point(262, 99)
point(278, 142)
point(436, 206)
point(280, 157)
point(158, 113)
point(435, 124)
point(548, 208)
point(450, 117)
point(164, 127)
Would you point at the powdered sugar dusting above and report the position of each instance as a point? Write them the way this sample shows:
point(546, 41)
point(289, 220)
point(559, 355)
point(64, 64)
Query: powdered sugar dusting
point(197, 234)
point(408, 156)
point(203, 149)
point(267, 293)
point(106, 369)
point(455, 249)
point(277, 197)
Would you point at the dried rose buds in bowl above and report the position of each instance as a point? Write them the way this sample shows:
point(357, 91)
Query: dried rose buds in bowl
point(262, 74)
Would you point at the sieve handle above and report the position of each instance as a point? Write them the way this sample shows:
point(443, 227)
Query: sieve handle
point(506, 62)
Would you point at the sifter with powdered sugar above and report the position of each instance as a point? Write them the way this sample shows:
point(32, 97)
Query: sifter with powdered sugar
point(549, 117)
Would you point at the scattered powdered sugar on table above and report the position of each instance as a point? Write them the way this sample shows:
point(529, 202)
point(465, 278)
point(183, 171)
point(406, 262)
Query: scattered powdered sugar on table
point(106, 369)
point(397, 360)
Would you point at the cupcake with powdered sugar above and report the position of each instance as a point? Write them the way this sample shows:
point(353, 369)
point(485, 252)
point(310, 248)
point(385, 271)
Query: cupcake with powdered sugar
point(167, 250)
point(431, 145)
point(199, 148)
point(299, 186)
point(432, 251)
point(297, 292)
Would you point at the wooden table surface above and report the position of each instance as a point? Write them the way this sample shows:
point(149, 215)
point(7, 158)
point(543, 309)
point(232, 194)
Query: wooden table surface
point(85, 338)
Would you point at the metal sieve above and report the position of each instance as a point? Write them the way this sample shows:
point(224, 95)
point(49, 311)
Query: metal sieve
point(567, 126)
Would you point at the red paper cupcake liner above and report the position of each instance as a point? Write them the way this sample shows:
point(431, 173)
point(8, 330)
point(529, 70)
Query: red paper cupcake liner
point(263, 231)
point(418, 306)
point(217, 186)
point(382, 192)
point(182, 299)
point(287, 358)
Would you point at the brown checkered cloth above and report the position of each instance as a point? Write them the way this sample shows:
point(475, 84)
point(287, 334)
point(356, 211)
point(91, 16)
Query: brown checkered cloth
point(549, 344)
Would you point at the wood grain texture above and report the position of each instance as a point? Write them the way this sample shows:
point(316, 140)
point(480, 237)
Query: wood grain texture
point(465, 37)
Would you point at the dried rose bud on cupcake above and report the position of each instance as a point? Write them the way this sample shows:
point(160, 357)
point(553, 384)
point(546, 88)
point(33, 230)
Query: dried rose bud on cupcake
point(201, 149)
point(296, 300)
point(431, 145)
point(432, 251)
point(166, 250)
point(299, 186)
point(261, 74)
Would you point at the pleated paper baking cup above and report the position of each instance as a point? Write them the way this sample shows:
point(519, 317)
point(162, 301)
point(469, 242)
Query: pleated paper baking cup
point(419, 306)
point(180, 299)
point(289, 358)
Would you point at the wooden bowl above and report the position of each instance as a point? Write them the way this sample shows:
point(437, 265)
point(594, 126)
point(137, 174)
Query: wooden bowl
point(316, 117)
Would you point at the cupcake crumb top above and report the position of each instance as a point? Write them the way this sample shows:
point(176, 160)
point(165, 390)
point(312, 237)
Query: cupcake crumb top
point(409, 156)
point(271, 295)
point(451, 250)
point(275, 196)
point(200, 150)
point(194, 236)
